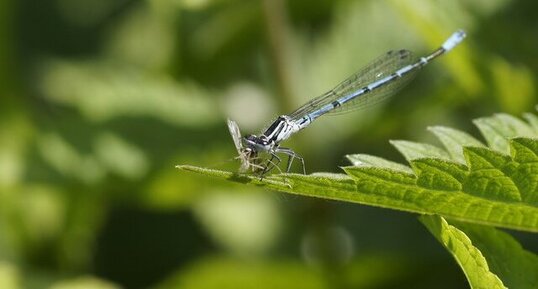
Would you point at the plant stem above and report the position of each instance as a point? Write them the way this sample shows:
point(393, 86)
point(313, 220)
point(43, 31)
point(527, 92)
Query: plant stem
point(278, 35)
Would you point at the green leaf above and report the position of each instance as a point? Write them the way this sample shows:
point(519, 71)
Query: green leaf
point(469, 258)
point(487, 177)
point(439, 174)
point(533, 120)
point(454, 141)
point(486, 255)
point(373, 161)
point(515, 266)
point(103, 91)
point(525, 175)
point(227, 273)
point(391, 189)
point(9, 276)
point(84, 282)
point(498, 129)
point(414, 150)
point(470, 182)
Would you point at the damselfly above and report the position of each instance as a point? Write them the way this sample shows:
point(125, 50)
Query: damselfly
point(375, 82)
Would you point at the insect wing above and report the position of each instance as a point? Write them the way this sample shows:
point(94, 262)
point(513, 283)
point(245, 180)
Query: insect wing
point(236, 135)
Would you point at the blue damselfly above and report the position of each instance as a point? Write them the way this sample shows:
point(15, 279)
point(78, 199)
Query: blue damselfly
point(375, 82)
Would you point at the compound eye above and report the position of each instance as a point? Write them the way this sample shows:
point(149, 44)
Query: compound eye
point(264, 140)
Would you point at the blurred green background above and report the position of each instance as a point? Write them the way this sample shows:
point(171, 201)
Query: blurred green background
point(100, 99)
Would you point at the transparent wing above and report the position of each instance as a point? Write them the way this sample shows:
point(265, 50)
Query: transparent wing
point(236, 135)
point(381, 67)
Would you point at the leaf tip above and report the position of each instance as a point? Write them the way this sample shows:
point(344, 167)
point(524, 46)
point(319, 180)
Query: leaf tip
point(185, 167)
point(434, 127)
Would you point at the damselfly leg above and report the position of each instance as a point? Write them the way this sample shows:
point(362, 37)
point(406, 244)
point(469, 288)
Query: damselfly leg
point(275, 160)
point(291, 156)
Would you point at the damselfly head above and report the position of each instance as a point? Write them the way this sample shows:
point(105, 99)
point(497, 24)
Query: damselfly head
point(250, 141)
point(257, 143)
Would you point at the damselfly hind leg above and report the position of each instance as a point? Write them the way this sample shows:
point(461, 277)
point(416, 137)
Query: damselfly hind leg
point(275, 160)
point(291, 156)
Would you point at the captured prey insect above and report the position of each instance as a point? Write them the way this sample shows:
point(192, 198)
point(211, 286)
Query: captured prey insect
point(375, 82)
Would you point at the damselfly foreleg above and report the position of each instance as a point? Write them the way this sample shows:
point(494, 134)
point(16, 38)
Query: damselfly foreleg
point(271, 164)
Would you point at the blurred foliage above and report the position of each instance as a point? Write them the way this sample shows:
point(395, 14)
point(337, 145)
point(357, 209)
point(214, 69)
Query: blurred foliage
point(226, 272)
point(100, 99)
